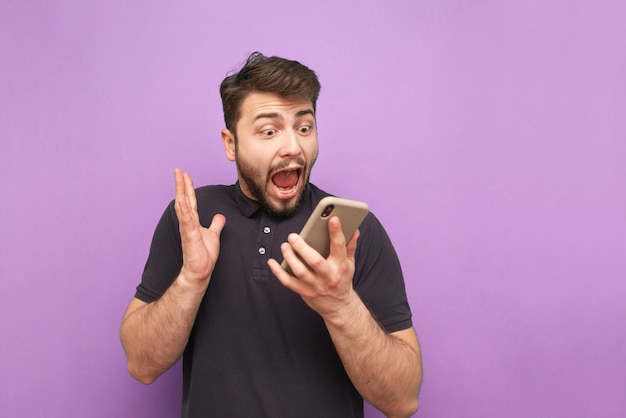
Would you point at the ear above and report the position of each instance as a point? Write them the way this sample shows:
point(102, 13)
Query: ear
point(229, 144)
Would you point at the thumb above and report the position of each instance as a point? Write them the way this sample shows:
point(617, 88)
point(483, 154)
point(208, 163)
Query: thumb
point(217, 224)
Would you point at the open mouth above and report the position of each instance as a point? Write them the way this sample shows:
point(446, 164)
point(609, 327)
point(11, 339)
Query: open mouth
point(286, 182)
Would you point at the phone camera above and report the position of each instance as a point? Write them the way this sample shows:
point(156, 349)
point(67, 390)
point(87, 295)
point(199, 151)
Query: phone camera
point(327, 211)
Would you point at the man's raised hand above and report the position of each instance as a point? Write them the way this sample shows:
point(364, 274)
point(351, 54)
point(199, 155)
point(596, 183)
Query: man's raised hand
point(201, 246)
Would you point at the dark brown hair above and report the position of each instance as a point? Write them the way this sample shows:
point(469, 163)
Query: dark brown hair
point(288, 79)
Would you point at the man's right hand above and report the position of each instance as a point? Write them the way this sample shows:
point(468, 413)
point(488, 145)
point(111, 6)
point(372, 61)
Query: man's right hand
point(201, 246)
point(155, 334)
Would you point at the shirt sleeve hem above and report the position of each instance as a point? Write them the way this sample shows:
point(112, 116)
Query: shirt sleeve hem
point(398, 326)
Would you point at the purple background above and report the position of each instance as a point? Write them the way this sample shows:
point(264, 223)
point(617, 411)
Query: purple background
point(489, 137)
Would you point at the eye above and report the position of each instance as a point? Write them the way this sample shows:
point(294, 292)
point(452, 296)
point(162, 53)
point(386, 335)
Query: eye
point(304, 129)
point(269, 132)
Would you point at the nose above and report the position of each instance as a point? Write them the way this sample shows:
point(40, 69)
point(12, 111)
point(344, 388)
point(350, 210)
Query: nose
point(290, 144)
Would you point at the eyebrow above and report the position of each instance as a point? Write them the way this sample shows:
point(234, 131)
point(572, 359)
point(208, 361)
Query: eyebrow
point(305, 112)
point(270, 115)
point(275, 115)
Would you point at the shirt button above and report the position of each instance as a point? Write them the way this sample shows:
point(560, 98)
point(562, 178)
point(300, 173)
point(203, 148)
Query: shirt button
point(267, 229)
point(261, 250)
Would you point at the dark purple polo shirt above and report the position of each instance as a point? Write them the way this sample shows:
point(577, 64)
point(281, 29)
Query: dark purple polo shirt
point(256, 349)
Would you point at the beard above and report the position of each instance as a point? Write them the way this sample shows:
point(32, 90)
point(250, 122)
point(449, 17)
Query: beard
point(256, 183)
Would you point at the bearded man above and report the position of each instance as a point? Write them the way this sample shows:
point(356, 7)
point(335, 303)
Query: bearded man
point(256, 340)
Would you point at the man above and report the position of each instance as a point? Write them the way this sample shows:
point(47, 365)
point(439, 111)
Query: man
point(255, 340)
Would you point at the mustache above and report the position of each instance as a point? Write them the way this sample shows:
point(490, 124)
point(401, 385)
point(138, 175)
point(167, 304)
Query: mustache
point(284, 164)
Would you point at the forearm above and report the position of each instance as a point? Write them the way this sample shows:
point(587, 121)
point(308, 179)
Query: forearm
point(155, 335)
point(386, 370)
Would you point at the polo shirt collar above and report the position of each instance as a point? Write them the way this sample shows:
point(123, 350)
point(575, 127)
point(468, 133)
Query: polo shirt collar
point(249, 207)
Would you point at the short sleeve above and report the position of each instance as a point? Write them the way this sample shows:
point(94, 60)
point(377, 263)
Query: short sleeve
point(165, 258)
point(378, 277)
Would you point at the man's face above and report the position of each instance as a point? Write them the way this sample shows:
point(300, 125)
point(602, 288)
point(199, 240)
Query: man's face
point(275, 149)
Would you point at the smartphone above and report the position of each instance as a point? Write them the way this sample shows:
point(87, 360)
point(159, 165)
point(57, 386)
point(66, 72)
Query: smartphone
point(315, 231)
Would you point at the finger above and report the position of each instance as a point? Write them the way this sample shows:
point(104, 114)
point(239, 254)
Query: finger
point(302, 258)
point(185, 207)
point(296, 264)
point(337, 239)
point(181, 205)
point(285, 278)
point(190, 192)
point(352, 244)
